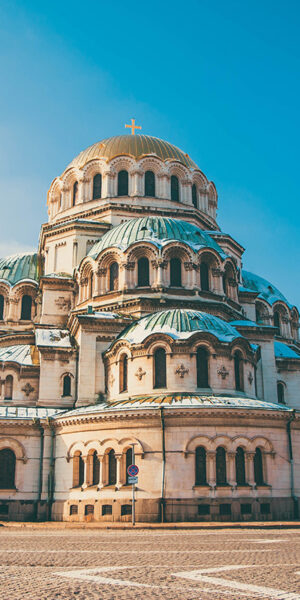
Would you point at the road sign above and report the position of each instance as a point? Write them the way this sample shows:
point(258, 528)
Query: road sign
point(132, 470)
point(133, 479)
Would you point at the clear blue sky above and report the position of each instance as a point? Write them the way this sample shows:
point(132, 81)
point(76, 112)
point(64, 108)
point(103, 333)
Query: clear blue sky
point(218, 79)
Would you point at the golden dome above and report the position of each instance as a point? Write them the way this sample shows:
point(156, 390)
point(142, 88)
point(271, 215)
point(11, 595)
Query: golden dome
point(136, 146)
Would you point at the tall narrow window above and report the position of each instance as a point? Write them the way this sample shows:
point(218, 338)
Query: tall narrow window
point(194, 195)
point(123, 369)
point(200, 464)
point(7, 469)
point(280, 393)
point(91, 285)
point(75, 193)
point(225, 285)
point(1, 307)
point(113, 277)
point(277, 321)
point(67, 385)
point(97, 186)
point(78, 469)
point(175, 272)
point(160, 368)
point(150, 184)
point(221, 477)
point(123, 183)
point(112, 468)
point(202, 368)
point(258, 467)
point(26, 308)
point(175, 188)
point(128, 461)
point(240, 466)
point(258, 314)
point(8, 387)
point(96, 468)
point(204, 277)
point(143, 272)
point(238, 372)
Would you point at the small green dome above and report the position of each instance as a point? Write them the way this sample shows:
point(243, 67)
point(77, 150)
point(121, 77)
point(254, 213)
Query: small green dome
point(265, 289)
point(158, 231)
point(178, 324)
point(18, 267)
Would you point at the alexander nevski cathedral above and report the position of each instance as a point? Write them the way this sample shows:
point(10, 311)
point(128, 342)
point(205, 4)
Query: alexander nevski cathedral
point(135, 326)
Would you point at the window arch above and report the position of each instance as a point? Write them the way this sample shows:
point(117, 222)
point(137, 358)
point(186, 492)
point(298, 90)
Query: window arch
point(175, 272)
point(113, 277)
point(258, 467)
point(123, 183)
point(238, 372)
point(26, 307)
point(240, 466)
point(225, 283)
point(202, 368)
point(112, 468)
point(1, 307)
point(66, 385)
point(123, 373)
point(175, 188)
point(7, 469)
point(280, 393)
point(258, 314)
point(75, 193)
point(97, 186)
point(160, 368)
point(8, 387)
point(200, 466)
point(96, 468)
point(143, 272)
point(149, 184)
point(194, 195)
point(204, 277)
point(128, 461)
point(221, 476)
point(277, 320)
point(78, 469)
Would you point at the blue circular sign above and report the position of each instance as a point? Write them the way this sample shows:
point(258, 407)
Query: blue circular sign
point(132, 470)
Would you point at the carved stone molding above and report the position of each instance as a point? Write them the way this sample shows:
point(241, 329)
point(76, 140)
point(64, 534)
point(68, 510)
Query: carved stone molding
point(140, 373)
point(181, 371)
point(223, 372)
point(27, 389)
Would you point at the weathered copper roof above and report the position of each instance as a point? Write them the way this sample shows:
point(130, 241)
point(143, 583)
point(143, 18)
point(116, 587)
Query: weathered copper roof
point(17, 267)
point(266, 290)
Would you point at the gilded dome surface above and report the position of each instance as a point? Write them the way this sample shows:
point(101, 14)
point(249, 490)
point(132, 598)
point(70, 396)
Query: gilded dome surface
point(157, 230)
point(136, 146)
point(178, 324)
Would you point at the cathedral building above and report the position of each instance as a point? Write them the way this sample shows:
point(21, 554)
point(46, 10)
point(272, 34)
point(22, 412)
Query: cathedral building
point(134, 328)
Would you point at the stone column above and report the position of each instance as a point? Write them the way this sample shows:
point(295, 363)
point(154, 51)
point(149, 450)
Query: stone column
point(249, 468)
point(230, 467)
point(101, 471)
point(211, 468)
point(118, 482)
point(12, 309)
point(86, 460)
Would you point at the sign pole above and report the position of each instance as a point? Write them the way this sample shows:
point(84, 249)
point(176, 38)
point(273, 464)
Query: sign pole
point(133, 491)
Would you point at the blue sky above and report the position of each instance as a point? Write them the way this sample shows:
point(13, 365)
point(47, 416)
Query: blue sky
point(218, 79)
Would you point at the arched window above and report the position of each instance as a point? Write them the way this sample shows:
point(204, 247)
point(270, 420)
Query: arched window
point(160, 368)
point(150, 184)
point(258, 314)
point(202, 368)
point(123, 183)
point(97, 186)
point(7, 469)
point(224, 281)
point(240, 466)
point(123, 373)
point(277, 320)
point(75, 193)
point(96, 468)
point(1, 307)
point(175, 188)
point(200, 465)
point(143, 272)
point(221, 477)
point(280, 393)
point(112, 468)
point(128, 461)
point(8, 387)
point(113, 277)
point(91, 282)
point(66, 385)
point(175, 272)
point(78, 469)
point(194, 195)
point(258, 467)
point(238, 372)
point(204, 277)
point(26, 307)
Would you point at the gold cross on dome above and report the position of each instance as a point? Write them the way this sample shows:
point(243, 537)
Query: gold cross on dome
point(133, 126)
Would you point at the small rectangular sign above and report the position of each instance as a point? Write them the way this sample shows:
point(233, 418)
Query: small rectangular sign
point(133, 479)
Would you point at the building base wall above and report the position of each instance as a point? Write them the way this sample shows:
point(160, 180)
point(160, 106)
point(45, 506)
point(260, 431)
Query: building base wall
point(23, 510)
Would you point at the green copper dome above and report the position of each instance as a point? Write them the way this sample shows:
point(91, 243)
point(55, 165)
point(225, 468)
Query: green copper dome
point(18, 267)
point(178, 324)
point(158, 231)
point(265, 289)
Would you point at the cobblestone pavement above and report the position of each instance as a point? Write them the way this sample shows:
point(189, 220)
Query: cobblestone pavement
point(149, 565)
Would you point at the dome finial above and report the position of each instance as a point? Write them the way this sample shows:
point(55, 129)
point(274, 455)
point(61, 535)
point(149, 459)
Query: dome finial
point(133, 126)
